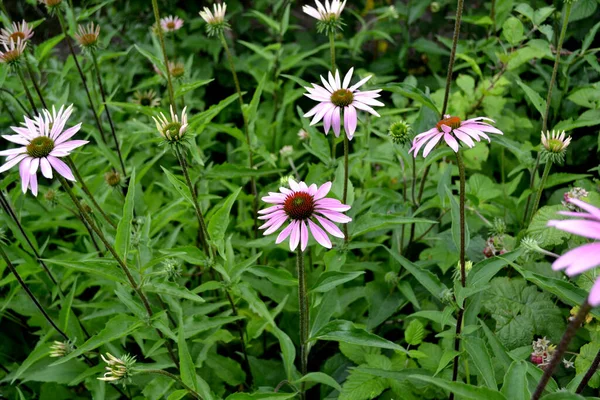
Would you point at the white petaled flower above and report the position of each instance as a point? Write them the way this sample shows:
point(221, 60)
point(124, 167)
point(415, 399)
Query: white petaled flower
point(13, 50)
point(87, 36)
point(119, 369)
point(215, 20)
point(336, 97)
point(18, 30)
point(172, 130)
point(555, 146)
point(44, 141)
point(171, 23)
point(328, 15)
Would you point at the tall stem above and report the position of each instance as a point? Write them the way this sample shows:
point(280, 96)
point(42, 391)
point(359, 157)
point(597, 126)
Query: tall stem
point(174, 377)
point(346, 177)
point(246, 130)
point(27, 92)
point(107, 111)
point(34, 81)
point(240, 328)
point(462, 222)
point(117, 258)
point(61, 20)
point(161, 39)
point(304, 317)
point(538, 194)
point(560, 350)
point(589, 374)
point(459, 11)
point(332, 50)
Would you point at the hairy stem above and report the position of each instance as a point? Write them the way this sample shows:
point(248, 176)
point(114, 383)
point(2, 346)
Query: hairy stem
point(560, 350)
point(459, 10)
point(174, 377)
point(346, 177)
point(161, 39)
point(589, 373)
point(332, 50)
point(304, 317)
point(27, 92)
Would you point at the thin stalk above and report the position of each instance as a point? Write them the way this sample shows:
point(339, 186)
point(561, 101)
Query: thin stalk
point(560, 350)
point(117, 258)
point(304, 317)
point(346, 177)
point(161, 39)
point(559, 45)
point(202, 231)
point(61, 20)
point(25, 110)
point(246, 129)
point(332, 50)
point(240, 328)
point(107, 111)
point(588, 375)
point(37, 88)
point(87, 191)
point(538, 194)
point(463, 281)
point(174, 377)
point(27, 92)
point(459, 10)
point(8, 111)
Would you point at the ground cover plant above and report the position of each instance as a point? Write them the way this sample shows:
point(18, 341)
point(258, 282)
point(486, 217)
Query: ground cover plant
point(319, 200)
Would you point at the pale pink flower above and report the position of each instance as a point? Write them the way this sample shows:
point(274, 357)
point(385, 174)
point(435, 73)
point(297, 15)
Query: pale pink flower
point(325, 12)
point(304, 206)
point(19, 30)
point(44, 141)
point(171, 23)
point(12, 51)
point(587, 256)
point(337, 97)
point(452, 128)
point(217, 16)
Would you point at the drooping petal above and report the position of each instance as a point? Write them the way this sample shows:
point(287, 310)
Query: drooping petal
point(595, 212)
point(46, 168)
point(18, 139)
point(335, 121)
point(594, 297)
point(16, 150)
point(588, 229)
point(12, 162)
point(330, 227)
point(61, 168)
point(276, 224)
point(24, 172)
point(364, 107)
point(285, 233)
point(295, 236)
point(451, 142)
point(323, 190)
point(583, 255)
point(303, 236)
point(319, 235)
point(270, 209)
point(35, 163)
point(431, 144)
point(350, 121)
point(33, 184)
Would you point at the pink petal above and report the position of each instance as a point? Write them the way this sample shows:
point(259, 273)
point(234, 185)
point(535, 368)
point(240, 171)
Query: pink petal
point(323, 190)
point(330, 227)
point(295, 236)
point(33, 184)
point(347, 78)
point(294, 185)
point(16, 150)
point(588, 229)
point(587, 207)
point(350, 121)
point(12, 162)
point(319, 235)
point(369, 101)
point(270, 209)
point(61, 168)
point(463, 137)
point(24, 172)
point(335, 121)
point(66, 135)
point(451, 142)
point(71, 145)
point(432, 143)
point(364, 107)
point(360, 83)
point(327, 119)
point(276, 224)
point(303, 236)
point(18, 139)
point(35, 163)
point(285, 233)
point(332, 205)
point(46, 168)
point(594, 297)
point(579, 259)
point(335, 216)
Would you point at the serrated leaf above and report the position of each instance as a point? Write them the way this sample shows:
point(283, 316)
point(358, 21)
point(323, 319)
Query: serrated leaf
point(414, 333)
point(362, 386)
point(320, 377)
point(481, 359)
point(540, 231)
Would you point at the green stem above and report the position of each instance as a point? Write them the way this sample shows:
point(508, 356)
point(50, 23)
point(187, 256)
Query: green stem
point(174, 377)
point(161, 39)
point(27, 92)
point(459, 11)
point(16, 99)
point(332, 50)
point(61, 20)
point(304, 317)
point(346, 177)
point(240, 327)
point(562, 347)
point(246, 130)
point(107, 111)
point(538, 194)
point(34, 81)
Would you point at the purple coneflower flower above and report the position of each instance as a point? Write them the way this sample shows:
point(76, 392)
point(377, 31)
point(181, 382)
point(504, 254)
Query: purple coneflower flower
point(87, 36)
point(452, 128)
point(304, 206)
point(44, 141)
point(171, 23)
point(337, 97)
point(327, 12)
point(584, 257)
point(19, 30)
point(12, 51)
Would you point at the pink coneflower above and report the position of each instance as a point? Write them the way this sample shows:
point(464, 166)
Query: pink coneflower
point(325, 12)
point(44, 141)
point(304, 205)
point(19, 30)
point(583, 257)
point(12, 51)
point(452, 128)
point(336, 97)
point(87, 36)
point(171, 23)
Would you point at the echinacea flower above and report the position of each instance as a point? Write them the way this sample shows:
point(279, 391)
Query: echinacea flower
point(587, 256)
point(304, 206)
point(61, 349)
point(18, 30)
point(147, 98)
point(328, 15)
point(337, 97)
point(176, 69)
point(171, 23)
point(87, 36)
point(44, 141)
point(119, 369)
point(555, 146)
point(215, 20)
point(13, 50)
point(452, 128)
point(51, 4)
point(173, 130)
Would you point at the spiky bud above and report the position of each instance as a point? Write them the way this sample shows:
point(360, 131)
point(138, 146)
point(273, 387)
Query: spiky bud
point(400, 132)
point(119, 369)
point(215, 20)
point(555, 146)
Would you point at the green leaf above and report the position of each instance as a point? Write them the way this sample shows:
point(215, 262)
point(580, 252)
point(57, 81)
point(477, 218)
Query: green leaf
point(430, 281)
point(345, 331)
point(253, 106)
point(534, 97)
point(188, 87)
point(320, 377)
point(481, 359)
point(187, 368)
point(564, 396)
point(217, 226)
point(41, 351)
point(515, 382)
point(277, 276)
point(231, 171)
point(414, 333)
point(123, 238)
point(153, 59)
point(413, 93)
point(587, 354)
point(513, 30)
point(445, 359)
point(101, 268)
point(560, 178)
point(589, 38)
point(540, 231)
point(467, 392)
point(360, 385)
point(181, 187)
point(370, 222)
point(174, 290)
point(331, 279)
point(583, 9)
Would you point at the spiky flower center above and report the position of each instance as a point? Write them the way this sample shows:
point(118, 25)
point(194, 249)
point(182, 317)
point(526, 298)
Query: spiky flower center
point(171, 25)
point(88, 39)
point(145, 101)
point(171, 130)
point(17, 35)
point(555, 145)
point(11, 56)
point(452, 122)
point(299, 205)
point(342, 97)
point(40, 147)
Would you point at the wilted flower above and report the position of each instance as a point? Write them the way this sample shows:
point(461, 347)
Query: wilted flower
point(12, 51)
point(303, 135)
point(87, 36)
point(44, 141)
point(18, 30)
point(400, 132)
point(176, 69)
point(555, 145)
point(147, 98)
point(336, 97)
point(587, 256)
point(215, 21)
point(61, 349)
point(286, 151)
point(173, 130)
point(494, 246)
point(304, 205)
point(575, 193)
point(119, 369)
point(171, 23)
point(451, 128)
point(328, 15)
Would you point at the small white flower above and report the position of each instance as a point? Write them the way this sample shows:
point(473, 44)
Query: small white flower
point(325, 13)
point(215, 20)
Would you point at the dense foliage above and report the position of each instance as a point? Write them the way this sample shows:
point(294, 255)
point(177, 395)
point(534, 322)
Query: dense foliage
point(148, 267)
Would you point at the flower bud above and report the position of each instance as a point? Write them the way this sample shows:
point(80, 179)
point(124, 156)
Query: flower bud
point(400, 132)
point(112, 178)
point(554, 146)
